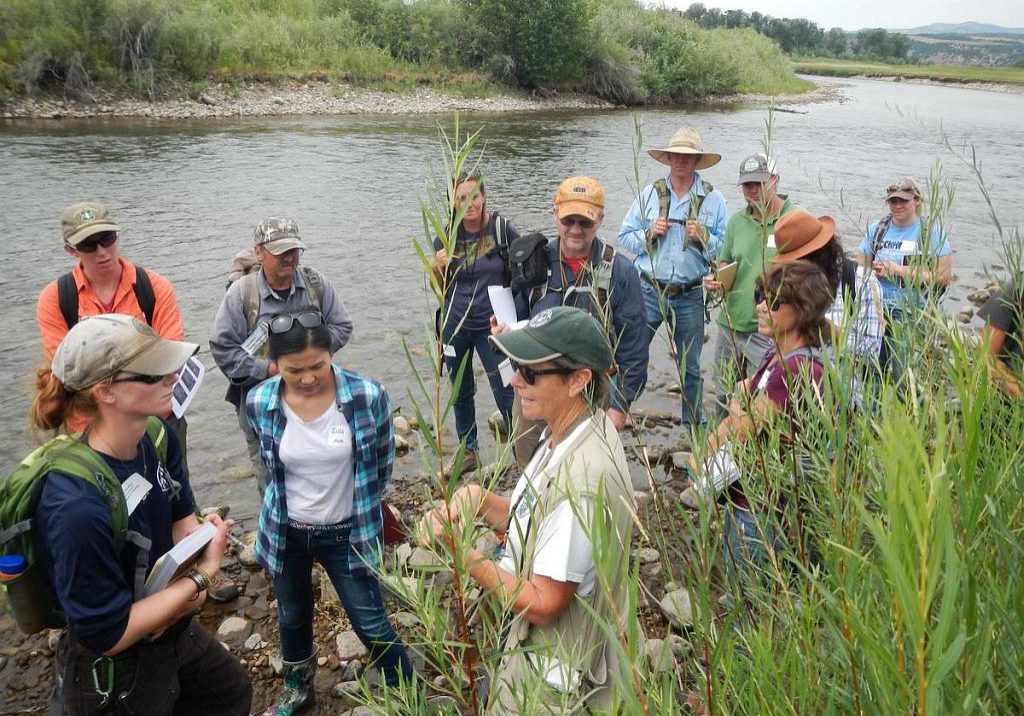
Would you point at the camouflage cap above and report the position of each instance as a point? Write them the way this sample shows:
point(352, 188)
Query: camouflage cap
point(278, 235)
point(99, 347)
point(84, 219)
point(903, 188)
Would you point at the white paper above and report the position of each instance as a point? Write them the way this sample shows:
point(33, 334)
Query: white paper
point(506, 372)
point(190, 377)
point(135, 489)
point(908, 247)
point(502, 303)
point(448, 351)
point(256, 340)
point(770, 244)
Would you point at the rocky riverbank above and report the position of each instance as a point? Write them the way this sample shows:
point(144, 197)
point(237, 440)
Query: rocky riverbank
point(320, 97)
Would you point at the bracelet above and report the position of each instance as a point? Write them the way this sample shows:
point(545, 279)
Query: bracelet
point(201, 578)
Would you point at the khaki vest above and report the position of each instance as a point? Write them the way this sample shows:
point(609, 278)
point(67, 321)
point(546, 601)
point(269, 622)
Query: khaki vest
point(593, 466)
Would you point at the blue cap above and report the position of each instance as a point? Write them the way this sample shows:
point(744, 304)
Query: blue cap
point(13, 564)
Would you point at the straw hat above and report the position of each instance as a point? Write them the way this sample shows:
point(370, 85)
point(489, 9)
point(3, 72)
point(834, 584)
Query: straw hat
point(686, 141)
point(798, 234)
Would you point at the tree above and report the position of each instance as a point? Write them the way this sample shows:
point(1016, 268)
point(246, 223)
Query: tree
point(882, 45)
point(835, 42)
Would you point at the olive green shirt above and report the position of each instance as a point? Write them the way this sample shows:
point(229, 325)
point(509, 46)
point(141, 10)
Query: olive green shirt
point(746, 242)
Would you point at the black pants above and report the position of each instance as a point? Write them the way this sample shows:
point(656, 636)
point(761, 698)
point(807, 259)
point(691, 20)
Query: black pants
point(189, 675)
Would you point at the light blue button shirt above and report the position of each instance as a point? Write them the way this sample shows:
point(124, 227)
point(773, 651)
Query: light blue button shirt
point(675, 260)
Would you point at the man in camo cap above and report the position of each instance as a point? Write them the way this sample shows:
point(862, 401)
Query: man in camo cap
point(272, 284)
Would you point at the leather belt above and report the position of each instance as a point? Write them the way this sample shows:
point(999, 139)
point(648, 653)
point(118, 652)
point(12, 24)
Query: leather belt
point(672, 289)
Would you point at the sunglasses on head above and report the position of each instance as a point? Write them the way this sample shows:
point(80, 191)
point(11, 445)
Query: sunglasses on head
point(530, 374)
point(89, 246)
point(772, 301)
point(571, 221)
point(139, 378)
point(309, 319)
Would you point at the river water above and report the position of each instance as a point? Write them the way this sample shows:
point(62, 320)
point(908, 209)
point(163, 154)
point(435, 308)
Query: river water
point(187, 195)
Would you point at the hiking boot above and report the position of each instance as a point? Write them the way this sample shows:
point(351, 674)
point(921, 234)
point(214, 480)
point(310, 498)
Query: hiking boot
point(222, 590)
point(470, 463)
point(298, 694)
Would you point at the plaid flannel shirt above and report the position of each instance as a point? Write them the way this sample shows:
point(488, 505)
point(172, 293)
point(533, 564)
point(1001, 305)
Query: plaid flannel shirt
point(366, 407)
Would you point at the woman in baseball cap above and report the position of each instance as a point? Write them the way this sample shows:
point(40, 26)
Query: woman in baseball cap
point(570, 511)
point(121, 644)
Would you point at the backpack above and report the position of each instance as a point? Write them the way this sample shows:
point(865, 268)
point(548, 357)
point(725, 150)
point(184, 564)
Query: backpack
point(601, 280)
point(528, 261)
point(848, 281)
point(67, 296)
point(35, 607)
point(665, 200)
point(876, 243)
point(243, 270)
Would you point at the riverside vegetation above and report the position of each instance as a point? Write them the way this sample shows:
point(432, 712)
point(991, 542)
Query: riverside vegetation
point(614, 49)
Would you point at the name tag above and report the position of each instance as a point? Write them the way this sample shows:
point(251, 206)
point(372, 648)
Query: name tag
point(770, 244)
point(908, 247)
point(337, 436)
point(135, 489)
point(255, 340)
point(506, 372)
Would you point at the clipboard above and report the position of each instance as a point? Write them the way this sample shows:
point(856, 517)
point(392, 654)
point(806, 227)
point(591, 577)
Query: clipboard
point(726, 275)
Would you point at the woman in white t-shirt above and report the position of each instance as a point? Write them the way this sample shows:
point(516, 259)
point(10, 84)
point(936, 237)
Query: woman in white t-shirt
point(326, 439)
point(556, 655)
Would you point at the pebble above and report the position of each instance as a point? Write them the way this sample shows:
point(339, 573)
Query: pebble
point(978, 297)
point(402, 554)
point(406, 620)
point(221, 511)
point(235, 474)
point(276, 664)
point(346, 691)
point(681, 459)
point(234, 629)
point(247, 557)
point(401, 426)
point(646, 555)
point(349, 647)
point(350, 670)
point(423, 560)
point(676, 608)
point(402, 445)
point(255, 641)
point(322, 661)
point(659, 655)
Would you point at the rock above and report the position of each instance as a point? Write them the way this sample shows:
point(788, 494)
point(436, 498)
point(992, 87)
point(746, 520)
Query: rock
point(487, 544)
point(652, 569)
point(247, 557)
point(442, 705)
point(322, 661)
point(402, 445)
point(402, 554)
point(234, 474)
point(676, 608)
point(398, 587)
point(362, 711)
point(680, 647)
point(965, 315)
point(674, 389)
point(496, 422)
point(978, 297)
point(347, 691)
point(641, 497)
point(727, 601)
point(276, 664)
point(349, 647)
point(220, 510)
point(423, 560)
point(646, 555)
point(277, 100)
point(328, 594)
point(350, 670)
point(258, 611)
point(659, 655)
point(255, 641)
point(690, 497)
point(406, 620)
point(681, 459)
point(234, 630)
point(208, 99)
point(401, 426)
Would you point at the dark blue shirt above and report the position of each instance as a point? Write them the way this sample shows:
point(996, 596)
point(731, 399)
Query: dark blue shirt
point(94, 584)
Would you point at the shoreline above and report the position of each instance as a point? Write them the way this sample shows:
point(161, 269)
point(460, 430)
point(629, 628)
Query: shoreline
point(321, 98)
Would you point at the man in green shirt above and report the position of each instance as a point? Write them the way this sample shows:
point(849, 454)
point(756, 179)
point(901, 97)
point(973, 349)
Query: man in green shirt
point(749, 241)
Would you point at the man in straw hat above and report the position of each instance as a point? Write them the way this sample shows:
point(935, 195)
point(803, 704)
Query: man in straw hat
point(674, 227)
point(750, 242)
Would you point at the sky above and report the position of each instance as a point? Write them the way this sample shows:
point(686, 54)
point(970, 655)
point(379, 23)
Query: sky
point(877, 13)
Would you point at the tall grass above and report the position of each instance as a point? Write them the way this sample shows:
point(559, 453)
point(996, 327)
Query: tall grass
point(895, 586)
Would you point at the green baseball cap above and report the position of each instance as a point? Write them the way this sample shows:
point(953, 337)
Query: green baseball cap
point(82, 220)
point(557, 332)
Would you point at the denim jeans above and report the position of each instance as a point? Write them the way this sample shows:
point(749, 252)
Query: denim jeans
point(749, 541)
point(685, 316)
point(360, 595)
point(464, 342)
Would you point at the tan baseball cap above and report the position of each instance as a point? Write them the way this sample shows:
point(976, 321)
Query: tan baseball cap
point(82, 220)
point(903, 188)
point(580, 196)
point(99, 347)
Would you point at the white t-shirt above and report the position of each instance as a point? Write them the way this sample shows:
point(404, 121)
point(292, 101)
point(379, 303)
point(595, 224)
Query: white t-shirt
point(319, 477)
point(564, 552)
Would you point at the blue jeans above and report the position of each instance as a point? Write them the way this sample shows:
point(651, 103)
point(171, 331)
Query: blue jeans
point(685, 316)
point(464, 342)
point(749, 540)
point(360, 595)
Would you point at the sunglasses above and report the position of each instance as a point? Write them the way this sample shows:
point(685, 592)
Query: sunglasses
point(569, 222)
point(106, 240)
point(773, 302)
point(896, 200)
point(147, 379)
point(530, 374)
point(309, 319)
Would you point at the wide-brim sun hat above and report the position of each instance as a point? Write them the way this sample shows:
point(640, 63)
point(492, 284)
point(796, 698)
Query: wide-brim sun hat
point(100, 347)
point(558, 332)
point(686, 140)
point(798, 234)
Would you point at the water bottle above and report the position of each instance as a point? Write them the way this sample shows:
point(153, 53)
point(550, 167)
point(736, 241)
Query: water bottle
point(29, 598)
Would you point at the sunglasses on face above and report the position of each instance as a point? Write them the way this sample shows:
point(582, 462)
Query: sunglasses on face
point(772, 301)
point(309, 319)
point(896, 200)
point(147, 379)
point(530, 374)
point(106, 240)
point(570, 221)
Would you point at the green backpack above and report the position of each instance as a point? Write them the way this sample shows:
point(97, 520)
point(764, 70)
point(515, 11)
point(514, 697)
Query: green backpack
point(31, 599)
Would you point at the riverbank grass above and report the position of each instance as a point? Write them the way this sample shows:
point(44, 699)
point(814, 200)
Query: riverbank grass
point(937, 73)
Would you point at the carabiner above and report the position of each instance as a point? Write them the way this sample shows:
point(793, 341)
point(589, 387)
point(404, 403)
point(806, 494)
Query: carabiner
point(103, 693)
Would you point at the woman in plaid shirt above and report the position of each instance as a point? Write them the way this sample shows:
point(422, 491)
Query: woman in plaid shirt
point(326, 439)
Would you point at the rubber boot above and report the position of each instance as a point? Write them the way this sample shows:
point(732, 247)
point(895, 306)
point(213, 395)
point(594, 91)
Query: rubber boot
point(298, 694)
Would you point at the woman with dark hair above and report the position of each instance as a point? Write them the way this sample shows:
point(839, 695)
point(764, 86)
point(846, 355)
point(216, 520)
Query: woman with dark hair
point(326, 440)
point(856, 310)
point(570, 510)
point(792, 300)
point(1003, 336)
point(125, 651)
point(479, 259)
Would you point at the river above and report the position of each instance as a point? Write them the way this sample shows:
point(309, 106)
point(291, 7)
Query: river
point(187, 195)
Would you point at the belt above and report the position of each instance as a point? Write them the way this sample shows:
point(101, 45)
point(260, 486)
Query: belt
point(672, 289)
point(320, 528)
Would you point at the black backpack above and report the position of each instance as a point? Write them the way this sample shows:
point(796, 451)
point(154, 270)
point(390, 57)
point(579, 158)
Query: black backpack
point(848, 280)
point(528, 261)
point(67, 296)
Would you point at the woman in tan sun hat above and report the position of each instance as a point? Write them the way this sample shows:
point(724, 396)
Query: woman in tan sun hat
point(675, 226)
point(125, 650)
point(856, 310)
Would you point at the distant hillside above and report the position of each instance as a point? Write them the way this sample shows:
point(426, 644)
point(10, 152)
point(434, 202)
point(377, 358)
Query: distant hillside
point(962, 28)
point(976, 50)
